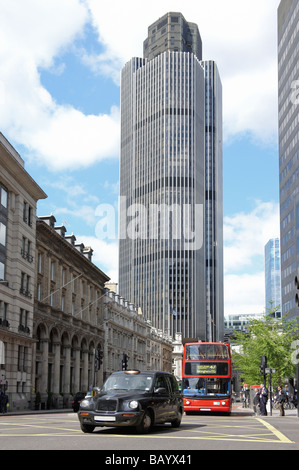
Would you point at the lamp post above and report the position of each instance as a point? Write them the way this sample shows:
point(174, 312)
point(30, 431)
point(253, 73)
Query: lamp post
point(270, 372)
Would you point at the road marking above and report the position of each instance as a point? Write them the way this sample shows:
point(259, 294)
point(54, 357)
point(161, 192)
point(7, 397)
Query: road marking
point(201, 438)
point(281, 437)
point(23, 425)
point(40, 435)
point(259, 431)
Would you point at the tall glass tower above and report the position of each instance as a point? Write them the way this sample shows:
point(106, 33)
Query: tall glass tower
point(288, 106)
point(272, 275)
point(170, 228)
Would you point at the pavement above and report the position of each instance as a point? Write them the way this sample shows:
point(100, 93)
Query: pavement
point(236, 410)
point(37, 412)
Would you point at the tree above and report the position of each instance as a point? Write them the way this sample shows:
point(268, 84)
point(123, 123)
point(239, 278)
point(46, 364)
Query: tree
point(267, 337)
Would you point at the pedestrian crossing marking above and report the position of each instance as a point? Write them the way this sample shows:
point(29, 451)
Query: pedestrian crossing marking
point(278, 434)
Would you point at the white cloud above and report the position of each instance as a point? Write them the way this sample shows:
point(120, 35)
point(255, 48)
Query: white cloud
point(245, 236)
point(250, 105)
point(32, 34)
point(39, 29)
point(71, 139)
point(240, 36)
point(105, 255)
point(244, 293)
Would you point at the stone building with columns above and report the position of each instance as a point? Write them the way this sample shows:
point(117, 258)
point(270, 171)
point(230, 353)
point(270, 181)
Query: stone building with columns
point(127, 332)
point(54, 307)
point(68, 315)
point(19, 194)
point(75, 314)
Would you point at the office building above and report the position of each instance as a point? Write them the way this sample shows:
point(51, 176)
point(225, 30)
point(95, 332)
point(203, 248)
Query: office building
point(272, 277)
point(170, 249)
point(19, 194)
point(288, 102)
point(213, 202)
point(240, 322)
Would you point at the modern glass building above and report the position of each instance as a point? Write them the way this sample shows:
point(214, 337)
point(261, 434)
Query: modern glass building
point(288, 103)
point(272, 276)
point(170, 228)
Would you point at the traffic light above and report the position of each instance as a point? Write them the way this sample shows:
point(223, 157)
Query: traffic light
point(124, 362)
point(98, 359)
point(101, 354)
point(297, 293)
point(263, 365)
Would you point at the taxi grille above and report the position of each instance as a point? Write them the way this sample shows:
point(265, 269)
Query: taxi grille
point(107, 405)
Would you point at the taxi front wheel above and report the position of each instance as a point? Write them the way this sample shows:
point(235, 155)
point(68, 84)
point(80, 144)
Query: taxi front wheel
point(87, 428)
point(145, 424)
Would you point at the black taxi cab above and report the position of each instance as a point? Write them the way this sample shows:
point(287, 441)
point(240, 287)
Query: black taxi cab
point(133, 398)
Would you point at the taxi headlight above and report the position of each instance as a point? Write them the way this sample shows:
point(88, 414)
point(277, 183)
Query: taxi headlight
point(133, 404)
point(85, 404)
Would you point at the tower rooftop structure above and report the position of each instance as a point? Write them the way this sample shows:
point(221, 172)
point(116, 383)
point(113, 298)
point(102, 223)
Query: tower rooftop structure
point(172, 33)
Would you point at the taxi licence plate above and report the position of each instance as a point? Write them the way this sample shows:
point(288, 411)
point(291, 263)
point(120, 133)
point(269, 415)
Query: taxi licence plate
point(105, 418)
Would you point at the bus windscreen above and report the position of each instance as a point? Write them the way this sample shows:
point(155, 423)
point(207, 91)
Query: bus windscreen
point(205, 386)
point(206, 352)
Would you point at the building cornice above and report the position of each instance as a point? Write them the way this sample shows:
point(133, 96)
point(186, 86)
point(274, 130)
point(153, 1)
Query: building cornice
point(11, 161)
point(83, 264)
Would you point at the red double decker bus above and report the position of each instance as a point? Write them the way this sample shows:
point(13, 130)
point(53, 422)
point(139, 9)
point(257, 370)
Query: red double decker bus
point(206, 378)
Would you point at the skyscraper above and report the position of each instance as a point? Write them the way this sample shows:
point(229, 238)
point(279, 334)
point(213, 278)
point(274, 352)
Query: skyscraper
point(272, 275)
point(288, 107)
point(170, 250)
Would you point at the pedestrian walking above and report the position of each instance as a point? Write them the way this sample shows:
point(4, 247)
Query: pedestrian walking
point(263, 398)
point(1, 401)
point(256, 403)
point(4, 403)
point(281, 399)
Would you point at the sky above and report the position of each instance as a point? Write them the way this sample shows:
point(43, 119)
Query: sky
point(60, 63)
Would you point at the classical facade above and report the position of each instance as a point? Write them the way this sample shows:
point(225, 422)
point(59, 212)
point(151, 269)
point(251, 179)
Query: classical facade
point(127, 332)
point(19, 194)
point(55, 308)
point(68, 319)
point(75, 315)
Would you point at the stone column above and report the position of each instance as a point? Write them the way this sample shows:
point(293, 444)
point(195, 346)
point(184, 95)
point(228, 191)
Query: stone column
point(57, 398)
point(77, 371)
point(56, 375)
point(85, 370)
point(67, 369)
point(44, 366)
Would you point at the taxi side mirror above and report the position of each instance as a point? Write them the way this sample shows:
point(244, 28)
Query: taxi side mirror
point(160, 391)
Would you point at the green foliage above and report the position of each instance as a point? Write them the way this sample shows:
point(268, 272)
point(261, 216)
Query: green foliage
point(267, 337)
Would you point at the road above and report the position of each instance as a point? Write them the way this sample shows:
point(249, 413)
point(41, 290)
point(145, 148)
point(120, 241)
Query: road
point(61, 431)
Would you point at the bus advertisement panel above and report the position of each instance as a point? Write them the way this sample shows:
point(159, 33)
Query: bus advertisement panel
point(206, 378)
